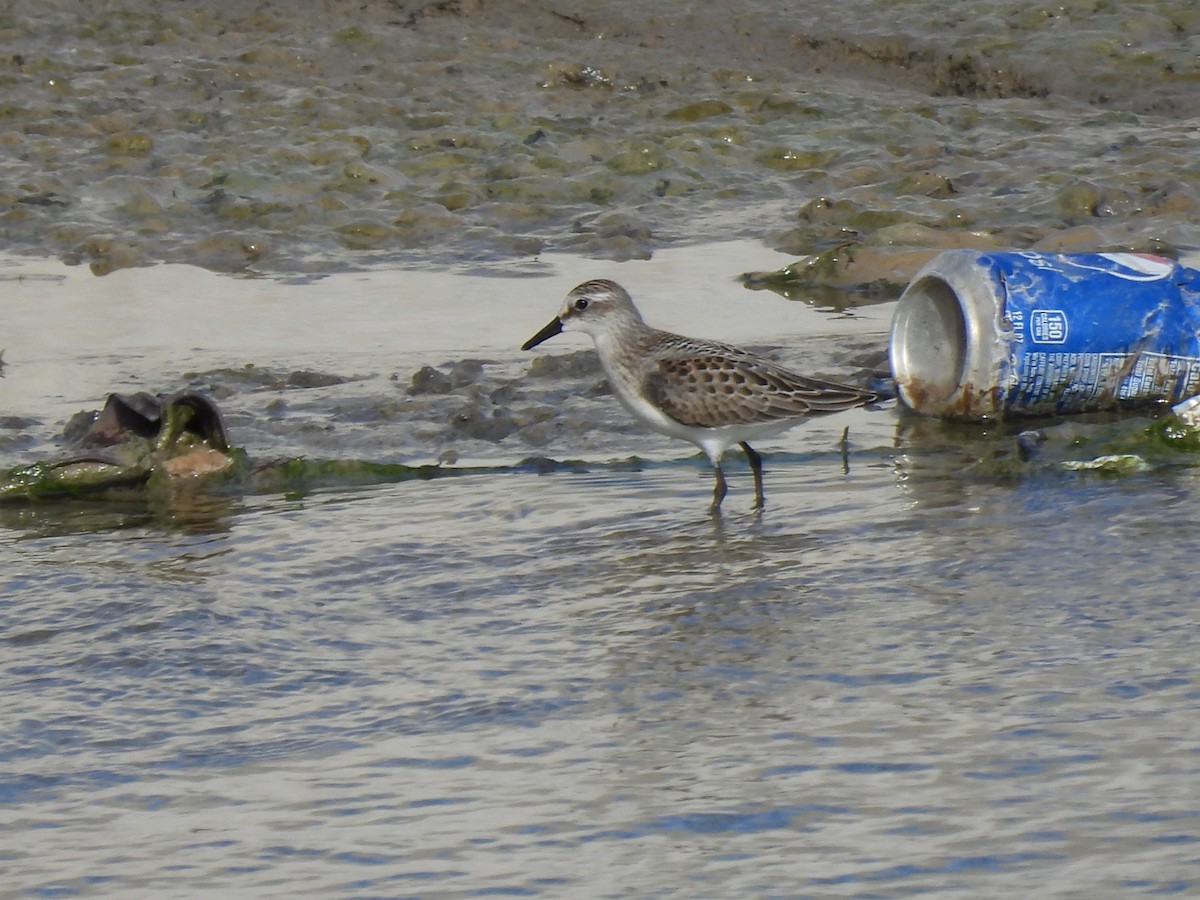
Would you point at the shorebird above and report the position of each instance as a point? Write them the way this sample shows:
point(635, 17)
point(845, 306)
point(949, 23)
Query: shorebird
point(712, 394)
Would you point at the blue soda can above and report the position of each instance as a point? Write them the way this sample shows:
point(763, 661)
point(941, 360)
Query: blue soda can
point(980, 335)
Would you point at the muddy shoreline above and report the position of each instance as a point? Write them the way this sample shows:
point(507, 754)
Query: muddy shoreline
point(296, 139)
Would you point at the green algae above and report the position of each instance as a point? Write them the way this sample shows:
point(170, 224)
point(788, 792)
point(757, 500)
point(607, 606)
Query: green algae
point(42, 481)
point(135, 144)
point(1111, 446)
point(699, 110)
point(1174, 434)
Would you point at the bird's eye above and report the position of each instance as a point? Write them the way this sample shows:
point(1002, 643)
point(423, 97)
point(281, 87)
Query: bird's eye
point(581, 304)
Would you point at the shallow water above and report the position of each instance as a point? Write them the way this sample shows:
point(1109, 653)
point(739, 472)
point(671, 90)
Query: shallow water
point(578, 686)
point(904, 678)
point(925, 669)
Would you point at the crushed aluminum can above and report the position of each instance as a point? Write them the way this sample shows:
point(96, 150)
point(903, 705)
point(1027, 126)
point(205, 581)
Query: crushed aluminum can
point(981, 335)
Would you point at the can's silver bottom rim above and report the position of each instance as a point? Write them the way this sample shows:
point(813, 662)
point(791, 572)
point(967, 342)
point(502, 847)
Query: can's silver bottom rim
point(928, 345)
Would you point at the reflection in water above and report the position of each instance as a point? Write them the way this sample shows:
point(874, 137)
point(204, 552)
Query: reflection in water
point(185, 511)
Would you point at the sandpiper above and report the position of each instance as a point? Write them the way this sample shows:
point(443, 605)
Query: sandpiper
point(711, 394)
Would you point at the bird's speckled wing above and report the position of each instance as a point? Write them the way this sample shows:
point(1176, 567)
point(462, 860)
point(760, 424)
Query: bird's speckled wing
point(708, 385)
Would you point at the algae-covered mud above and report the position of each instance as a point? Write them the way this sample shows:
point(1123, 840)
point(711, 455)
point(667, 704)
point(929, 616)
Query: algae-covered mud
point(285, 137)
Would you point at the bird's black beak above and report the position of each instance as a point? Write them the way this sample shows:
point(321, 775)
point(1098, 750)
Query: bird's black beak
point(553, 327)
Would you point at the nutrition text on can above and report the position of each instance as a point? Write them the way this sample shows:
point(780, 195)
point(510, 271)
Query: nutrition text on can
point(980, 335)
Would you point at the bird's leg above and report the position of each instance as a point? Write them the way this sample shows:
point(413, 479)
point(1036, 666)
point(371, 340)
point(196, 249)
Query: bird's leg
point(756, 469)
point(719, 489)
